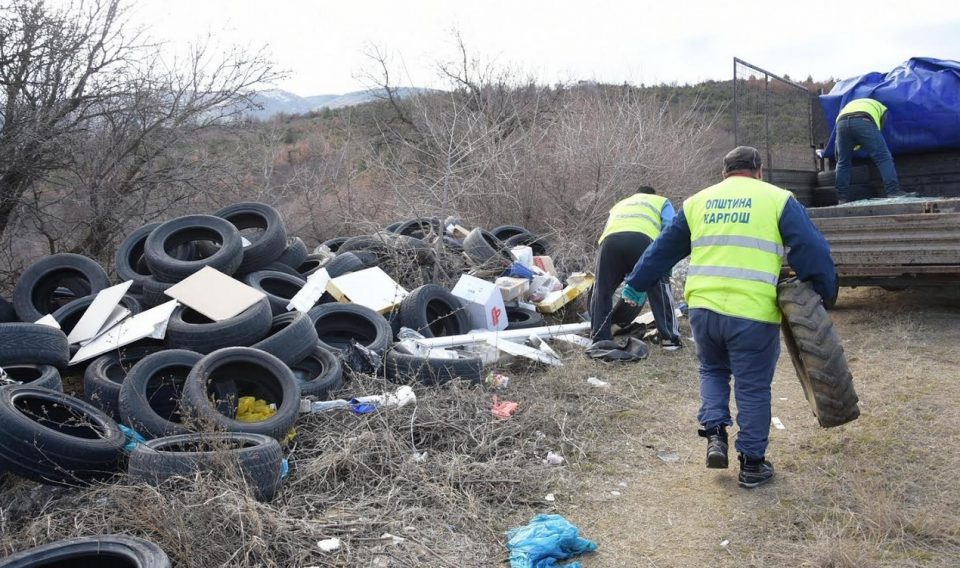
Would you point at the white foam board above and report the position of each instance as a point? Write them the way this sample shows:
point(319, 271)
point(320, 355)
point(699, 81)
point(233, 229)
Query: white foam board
point(98, 313)
point(214, 294)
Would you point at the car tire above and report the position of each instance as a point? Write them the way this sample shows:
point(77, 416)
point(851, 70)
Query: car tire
point(540, 245)
point(319, 373)
point(33, 344)
point(522, 318)
point(34, 295)
point(102, 550)
point(295, 253)
point(291, 337)
point(344, 263)
point(152, 409)
point(154, 292)
point(280, 288)
point(482, 248)
point(264, 248)
point(433, 311)
point(69, 315)
point(403, 368)
point(43, 376)
point(338, 324)
point(504, 232)
point(188, 329)
point(227, 257)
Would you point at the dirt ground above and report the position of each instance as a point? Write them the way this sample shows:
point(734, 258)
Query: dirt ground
point(882, 491)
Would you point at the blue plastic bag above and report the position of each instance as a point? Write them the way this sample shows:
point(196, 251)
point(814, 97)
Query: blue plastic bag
point(545, 540)
point(133, 438)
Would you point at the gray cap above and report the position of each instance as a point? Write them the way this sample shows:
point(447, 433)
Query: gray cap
point(742, 158)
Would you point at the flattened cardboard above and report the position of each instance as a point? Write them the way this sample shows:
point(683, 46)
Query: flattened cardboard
point(214, 294)
point(97, 314)
point(150, 323)
point(371, 287)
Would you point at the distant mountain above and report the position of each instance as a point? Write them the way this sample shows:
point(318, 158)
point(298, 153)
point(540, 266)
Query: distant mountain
point(277, 101)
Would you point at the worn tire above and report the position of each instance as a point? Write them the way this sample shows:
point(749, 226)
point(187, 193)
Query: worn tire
point(319, 373)
point(102, 551)
point(258, 458)
point(521, 318)
point(150, 408)
point(504, 232)
point(344, 263)
point(311, 264)
point(434, 312)
point(539, 244)
point(264, 248)
point(165, 267)
point(50, 437)
point(333, 245)
point(129, 263)
point(35, 294)
point(43, 376)
point(191, 330)
point(337, 324)
point(295, 253)
point(33, 343)
point(417, 228)
point(403, 368)
point(291, 337)
point(280, 288)
point(817, 354)
point(154, 292)
point(483, 248)
point(254, 373)
point(104, 377)
point(7, 313)
point(277, 267)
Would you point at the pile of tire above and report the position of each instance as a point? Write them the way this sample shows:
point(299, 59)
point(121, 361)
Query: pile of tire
point(930, 174)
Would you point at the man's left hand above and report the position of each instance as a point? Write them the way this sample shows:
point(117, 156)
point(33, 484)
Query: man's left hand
point(632, 296)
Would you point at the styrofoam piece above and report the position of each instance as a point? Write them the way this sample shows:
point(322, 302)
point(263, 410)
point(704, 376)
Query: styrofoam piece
point(523, 255)
point(98, 312)
point(523, 351)
point(483, 303)
point(370, 287)
point(49, 321)
point(481, 336)
point(151, 323)
point(214, 294)
point(574, 339)
point(539, 343)
point(118, 315)
point(308, 296)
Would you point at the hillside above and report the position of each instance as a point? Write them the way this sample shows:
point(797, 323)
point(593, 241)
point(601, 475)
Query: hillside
point(273, 102)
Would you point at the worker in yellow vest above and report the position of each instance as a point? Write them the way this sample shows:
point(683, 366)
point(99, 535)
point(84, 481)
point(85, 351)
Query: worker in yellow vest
point(736, 233)
point(633, 224)
point(859, 124)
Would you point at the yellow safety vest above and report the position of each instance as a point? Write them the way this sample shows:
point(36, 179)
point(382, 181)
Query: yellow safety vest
point(639, 213)
point(735, 248)
point(875, 109)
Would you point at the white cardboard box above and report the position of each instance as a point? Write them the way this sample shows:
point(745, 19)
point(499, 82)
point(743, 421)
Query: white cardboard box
point(371, 287)
point(483, 302)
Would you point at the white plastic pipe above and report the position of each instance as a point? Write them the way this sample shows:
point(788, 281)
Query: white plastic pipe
point(482, 336)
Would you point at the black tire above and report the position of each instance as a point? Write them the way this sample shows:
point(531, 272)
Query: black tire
point(253, 373)
point(817, 354)
point(319, 373)
point(393, 226)
point(105, 375)
point(483, 248)
point(311, 264)
point(265, 247)
point(35, 294)
point(43, 376)
point(333, 245)
point(522, 318)
point(258, 458)
point(368, 258)
point(151, 394)
point(33, 343)
point(154, 292)
point(280, 288)
point(824, 197)
point(434, 312)
point(858, 175)
point(344, 263)
point(291, 337)
point(53, 438)
point(337, 324)
point(226, 257)
point(7, 313)
point(504, 232)
point(188, 329)
point(452, 244)
point(539, 244)
point(403, 368)
point(69, 315)
point(417, 228)
point(118, 551)
point(295, 253)
point(277, 267)
point(129, 263)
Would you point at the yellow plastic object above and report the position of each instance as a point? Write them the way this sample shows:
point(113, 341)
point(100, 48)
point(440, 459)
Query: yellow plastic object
point(252, 409)
point(577, 284)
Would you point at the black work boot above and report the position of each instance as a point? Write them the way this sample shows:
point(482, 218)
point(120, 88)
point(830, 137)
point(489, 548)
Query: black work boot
point(716, 446)
point(754, 471)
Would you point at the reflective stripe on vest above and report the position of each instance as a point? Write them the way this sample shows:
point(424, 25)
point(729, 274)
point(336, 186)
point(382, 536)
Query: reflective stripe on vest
point(874, 108)
point(736, 248)
point(639, 213)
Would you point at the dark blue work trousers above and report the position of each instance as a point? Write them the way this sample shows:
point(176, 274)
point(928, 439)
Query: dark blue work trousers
point(854, 130)
point(749, 351)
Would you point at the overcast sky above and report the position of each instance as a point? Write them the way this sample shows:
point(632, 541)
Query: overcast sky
point(321, 43)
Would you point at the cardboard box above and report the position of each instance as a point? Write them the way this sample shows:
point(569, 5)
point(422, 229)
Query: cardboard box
point(483, 303)
point(577, 284)
point(524, 255)
point(545, 263)
point(371, 287)
point(512, 288)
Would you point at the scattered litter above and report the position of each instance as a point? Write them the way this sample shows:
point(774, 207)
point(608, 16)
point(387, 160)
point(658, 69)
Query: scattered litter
point(394, 539)
point(497, 381)
point(524, 351)
point(311, 292)
point(615, 493)
point(503, 409)
point(624, 350)
point(284, 468)
point(550, 497)
point(151, 323)
point(419, 457)
point(594, 381)
point(578, 283)
point(724, 543)
point(668, 457)
point(783, 398)
point(777, 424)
point(574, 339)
point(402, 397)
point(329, 544)
point(545, 540)
point(252, 409)
point(553, 458)
point(103, 312)
point(622, 484)
point(133, 438)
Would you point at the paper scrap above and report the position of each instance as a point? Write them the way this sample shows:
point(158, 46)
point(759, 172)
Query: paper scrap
point(594, 381)
point(777, 424)
point(329, 544)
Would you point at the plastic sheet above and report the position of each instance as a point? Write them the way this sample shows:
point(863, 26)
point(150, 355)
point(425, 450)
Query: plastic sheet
point(922, 96)
point(544, 541)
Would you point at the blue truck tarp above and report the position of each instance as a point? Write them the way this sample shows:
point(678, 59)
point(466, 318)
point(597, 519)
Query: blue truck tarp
point(923, 98)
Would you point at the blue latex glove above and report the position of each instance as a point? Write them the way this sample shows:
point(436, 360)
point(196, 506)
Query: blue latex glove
point(632, 296)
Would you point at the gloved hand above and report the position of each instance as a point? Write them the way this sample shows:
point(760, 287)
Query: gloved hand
point(632, 296)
